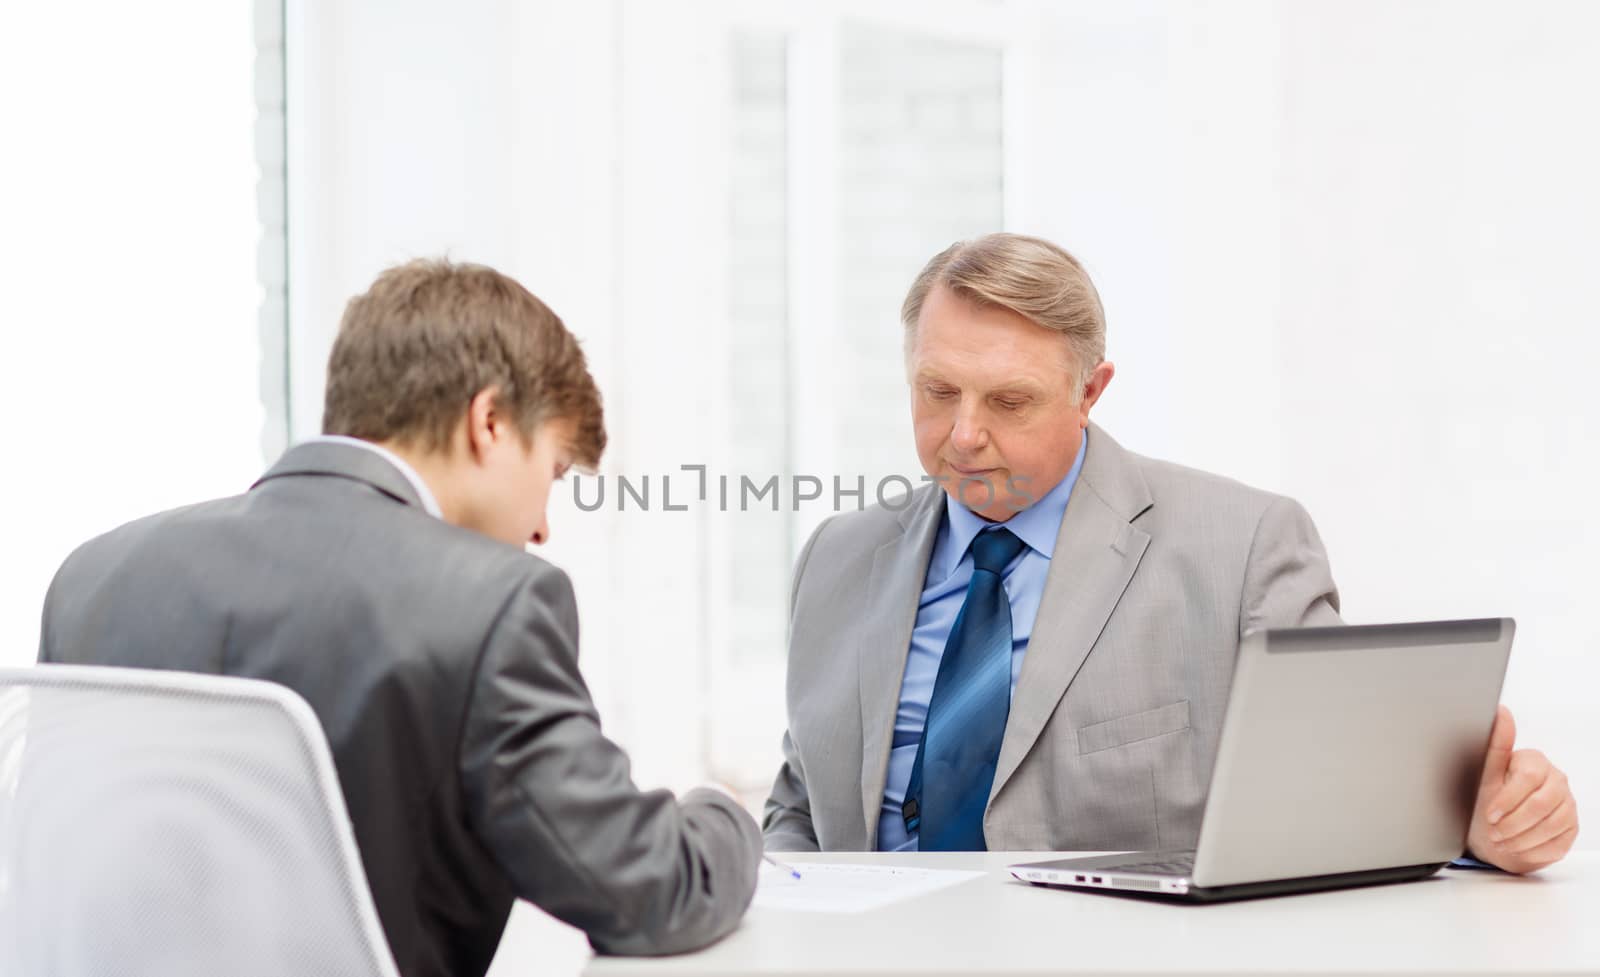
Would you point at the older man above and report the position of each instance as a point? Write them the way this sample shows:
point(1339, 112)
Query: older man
point(918, 716)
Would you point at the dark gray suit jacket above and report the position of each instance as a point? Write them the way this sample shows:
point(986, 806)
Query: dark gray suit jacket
point(443, 666)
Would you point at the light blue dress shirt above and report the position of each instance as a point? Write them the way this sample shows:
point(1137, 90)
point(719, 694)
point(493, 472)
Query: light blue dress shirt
point(943, 592)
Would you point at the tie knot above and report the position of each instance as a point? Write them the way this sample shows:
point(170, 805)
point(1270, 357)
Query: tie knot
point(994, 548)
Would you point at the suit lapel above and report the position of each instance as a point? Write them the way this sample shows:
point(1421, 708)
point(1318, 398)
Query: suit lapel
point(899, 568)
point(1097, 551)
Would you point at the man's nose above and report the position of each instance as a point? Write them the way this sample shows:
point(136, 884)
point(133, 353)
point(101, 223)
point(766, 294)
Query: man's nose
point(970, 434)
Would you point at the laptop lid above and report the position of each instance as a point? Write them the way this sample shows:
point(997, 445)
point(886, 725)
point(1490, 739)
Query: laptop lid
point(1351, 748)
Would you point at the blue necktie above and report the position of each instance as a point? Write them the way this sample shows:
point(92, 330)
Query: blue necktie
point(954, 769)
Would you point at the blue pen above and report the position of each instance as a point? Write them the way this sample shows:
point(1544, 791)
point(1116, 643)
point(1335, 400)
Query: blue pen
point(787, 868)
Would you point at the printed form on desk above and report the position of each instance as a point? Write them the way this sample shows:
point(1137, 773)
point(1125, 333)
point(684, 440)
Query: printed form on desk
point(833, 888)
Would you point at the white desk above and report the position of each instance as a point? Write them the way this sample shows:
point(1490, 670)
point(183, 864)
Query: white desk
point(1469, 922)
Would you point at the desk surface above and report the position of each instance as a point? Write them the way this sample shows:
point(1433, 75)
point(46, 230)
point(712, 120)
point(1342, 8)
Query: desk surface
point(1472, 922)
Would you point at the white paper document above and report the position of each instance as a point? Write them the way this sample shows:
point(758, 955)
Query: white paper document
point(834, 888)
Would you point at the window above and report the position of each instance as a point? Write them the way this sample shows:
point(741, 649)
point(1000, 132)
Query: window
point(858, 149)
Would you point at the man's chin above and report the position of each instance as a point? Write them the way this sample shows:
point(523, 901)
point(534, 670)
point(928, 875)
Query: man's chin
point(984, 495)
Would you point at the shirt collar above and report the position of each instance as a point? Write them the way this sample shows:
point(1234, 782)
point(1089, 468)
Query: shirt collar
point(1038, 525)
point(429, 503)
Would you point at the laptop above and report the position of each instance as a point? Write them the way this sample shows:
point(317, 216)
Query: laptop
point(1348, 756)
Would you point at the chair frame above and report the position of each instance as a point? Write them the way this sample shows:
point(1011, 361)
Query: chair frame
point(255, 691)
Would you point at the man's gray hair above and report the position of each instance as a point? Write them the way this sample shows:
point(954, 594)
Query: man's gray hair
point(1028, 275)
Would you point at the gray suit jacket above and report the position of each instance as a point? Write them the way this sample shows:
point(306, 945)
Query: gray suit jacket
point(443, 667)
point(1158, 571)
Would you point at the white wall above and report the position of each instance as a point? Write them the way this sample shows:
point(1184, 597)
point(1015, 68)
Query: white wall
point(129, 381)
point(1441, 227)
point(1346, 251)
point(1147, 142)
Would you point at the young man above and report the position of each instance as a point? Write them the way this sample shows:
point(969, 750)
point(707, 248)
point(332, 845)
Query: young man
point(1038, 656)
point(380, 572)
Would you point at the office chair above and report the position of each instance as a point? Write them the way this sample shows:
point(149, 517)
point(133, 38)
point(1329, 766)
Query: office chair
point(164, 824)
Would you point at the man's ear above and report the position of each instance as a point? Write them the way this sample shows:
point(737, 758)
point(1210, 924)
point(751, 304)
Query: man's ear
point(1099, 380)
point(486, 424)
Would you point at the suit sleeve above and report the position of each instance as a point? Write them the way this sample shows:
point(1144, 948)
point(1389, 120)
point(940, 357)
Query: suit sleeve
point(640, 872)
point(1288, 582)
point(786, 820)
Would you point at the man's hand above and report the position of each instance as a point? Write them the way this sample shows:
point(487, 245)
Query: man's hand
point(1525, 817)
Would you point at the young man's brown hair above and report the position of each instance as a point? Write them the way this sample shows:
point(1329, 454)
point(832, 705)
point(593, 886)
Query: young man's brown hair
point(429, 335)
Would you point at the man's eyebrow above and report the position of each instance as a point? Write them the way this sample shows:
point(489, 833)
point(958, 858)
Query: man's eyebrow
point(1022, 385)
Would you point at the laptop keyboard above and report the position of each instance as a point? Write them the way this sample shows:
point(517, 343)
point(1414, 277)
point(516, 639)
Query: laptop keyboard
point(1173, 865)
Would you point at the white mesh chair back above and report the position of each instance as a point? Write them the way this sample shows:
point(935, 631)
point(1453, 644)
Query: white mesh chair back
point(163, 824)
